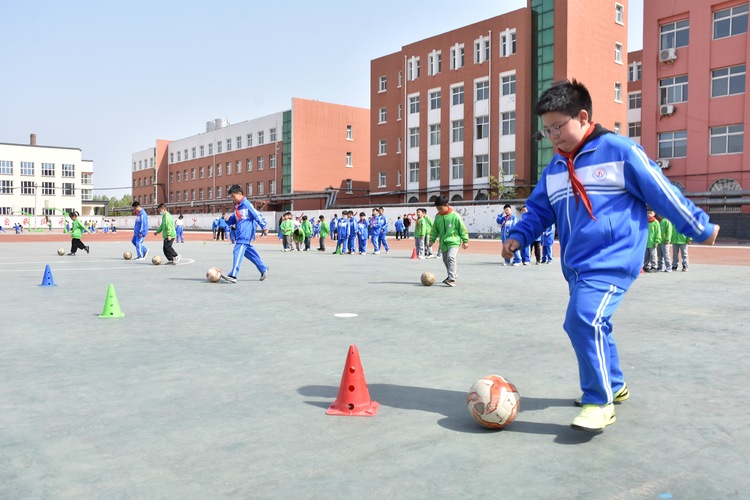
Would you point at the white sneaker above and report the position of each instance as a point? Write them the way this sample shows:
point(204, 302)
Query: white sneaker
point(177, 259)
point(377, 252)
point(421, 256)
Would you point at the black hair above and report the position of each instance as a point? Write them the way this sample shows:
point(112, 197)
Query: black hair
point(321, 217)
point(161, 205)
point(506, 206)
point(304, 217)
point(235, 188)
point(441, 201)
point(362, 214)
point(568, 97)
point(135, 204)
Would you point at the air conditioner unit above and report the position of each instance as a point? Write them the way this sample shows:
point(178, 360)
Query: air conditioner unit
point(666, 109)
point(667, 55)
point(663, 164)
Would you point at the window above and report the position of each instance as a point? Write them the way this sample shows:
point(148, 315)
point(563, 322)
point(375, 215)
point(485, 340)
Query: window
point(249, 191)
point(218, 150)
point(6, 211)
point(435, 99)
point(272, 186)
point(398, 177)
point(201, 172)
point(413, 104)
point(48, 169)
point(209, 193)
point(457, 131)
point(178, 176)
point(272, 135)
point(249, 163)
point(508, 163)
point(193, 156)
point(508, 123)
point(457, 95)
point(6, 167)
point(272, 161)
point(483, 127)
point(192, 194)
point(726, 140)
point(619, 13)
point(414, 137)
point(481, 166)
point(238, 140)
point(260, 163)
point(261, 139)
point(398, 146)
point(229, 144)
point(238, 167)
point(618, 92)
point(481, 50)
point(218, 193)
point(349, 136)
point(210, 151)
point(508, 43)
point(203, 151)
point(412, 68)
point(201, 193)
point(348, 186)
point(509, 85)
point(382, 84)
point(482, 90)
point(6, 187)
point(249, 140)
point(618, 52)
point(414, 172)
point(400, 78)
point(725, 81)
point(68, 189)
point(184, 175)
point(219, 169)
point(27, 168)
point(229, 168)
point(27, 187)
point(179, 156)
point(457, 168)
point(381, 147)
point(29, 210)
point(261, 188)
point(435, 134)
point(192, 174)
point(672, 90)
point(634, 100)
point(634, 129)
point(674, 35)
point(457, 56)
point(210, 172)
point(617, 128)
point(381, 179)
point(400, 111)
point(673, 144)
point(178, 196)
point(434, 62)
point(730, 22)
point(434, 170)
point(382, 116)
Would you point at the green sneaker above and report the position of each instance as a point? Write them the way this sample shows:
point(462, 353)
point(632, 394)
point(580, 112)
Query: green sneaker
point(617, 397)
point(594, 418)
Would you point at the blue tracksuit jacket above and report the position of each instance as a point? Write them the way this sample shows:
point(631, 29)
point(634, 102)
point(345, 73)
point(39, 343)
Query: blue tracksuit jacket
point(140, 227)
point(244, 217)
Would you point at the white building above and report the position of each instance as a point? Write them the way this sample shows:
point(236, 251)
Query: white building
point(44, 180)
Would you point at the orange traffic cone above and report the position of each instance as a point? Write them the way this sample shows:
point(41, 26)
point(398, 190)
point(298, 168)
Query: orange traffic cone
point(414, 254)
point(354, 398)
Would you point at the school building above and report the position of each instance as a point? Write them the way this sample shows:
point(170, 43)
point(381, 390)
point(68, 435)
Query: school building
point(38, 181)
point(309, 157)
point(452, 114)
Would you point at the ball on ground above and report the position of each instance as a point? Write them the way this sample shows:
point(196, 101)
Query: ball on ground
point(60, 251)
point(127, 256)
point(213, 275)
point(427, 278)
point(156, 260)
point(493, 401)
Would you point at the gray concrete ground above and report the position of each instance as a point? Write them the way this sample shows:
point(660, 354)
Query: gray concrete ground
point(216, 390)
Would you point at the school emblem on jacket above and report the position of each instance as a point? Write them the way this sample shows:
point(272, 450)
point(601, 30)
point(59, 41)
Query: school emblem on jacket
point(600, 174)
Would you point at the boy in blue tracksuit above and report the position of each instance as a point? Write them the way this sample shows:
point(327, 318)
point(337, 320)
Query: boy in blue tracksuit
point(374, 230)
point(362, 233)
point(244, 218)
point(596, 189)
point(334, 225)
point(342, 231)
point(140, 230)
point(222, 227)
point(352, 231)
point(507, 220)
point(382, 230)
point(548, 239)
point(215, 228)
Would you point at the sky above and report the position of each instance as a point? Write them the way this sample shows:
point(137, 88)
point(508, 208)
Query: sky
point(112, 77)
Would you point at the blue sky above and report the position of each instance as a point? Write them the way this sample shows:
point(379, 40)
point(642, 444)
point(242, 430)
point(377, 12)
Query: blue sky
point(111, 78)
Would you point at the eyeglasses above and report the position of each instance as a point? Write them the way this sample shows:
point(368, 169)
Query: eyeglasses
point(553, 131)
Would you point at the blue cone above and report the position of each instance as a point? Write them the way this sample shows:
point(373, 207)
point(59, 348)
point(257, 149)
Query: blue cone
point(48, 280)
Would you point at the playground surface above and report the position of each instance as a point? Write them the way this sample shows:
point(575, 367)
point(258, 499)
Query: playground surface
point(204, 390)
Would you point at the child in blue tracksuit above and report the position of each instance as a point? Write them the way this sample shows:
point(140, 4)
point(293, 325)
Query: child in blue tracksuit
point(507, 220)
point(215, 228)
point(342, 230)
point(362, 233)
point(140, 230)
point(374, 230)
point(596, 189)
point(382, 230)
point(334, 225)
point(399, 225)
point(548, 239)
point(352, 231)
point(222, 228)
point(244, 219)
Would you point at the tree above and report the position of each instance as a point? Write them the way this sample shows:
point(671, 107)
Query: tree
point(501, 188)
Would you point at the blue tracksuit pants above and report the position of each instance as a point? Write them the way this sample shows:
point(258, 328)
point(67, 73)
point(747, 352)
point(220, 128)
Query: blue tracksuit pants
point(140, 248)
point(247, 251)
point(382, 242)
point(546, 253)
point(362, 244)
point(589, 327)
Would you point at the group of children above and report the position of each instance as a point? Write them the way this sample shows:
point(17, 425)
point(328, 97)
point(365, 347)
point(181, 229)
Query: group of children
point(662, 234)
point(542, 244)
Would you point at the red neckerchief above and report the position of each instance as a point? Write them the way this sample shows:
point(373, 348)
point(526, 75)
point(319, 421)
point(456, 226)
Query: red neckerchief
point(578, 190)
point(651, 219)
point(236, 209)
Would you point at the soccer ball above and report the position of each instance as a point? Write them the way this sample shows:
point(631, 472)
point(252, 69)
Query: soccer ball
point(427, 278)
point(156, 260)
point(127, 256)
point(213, 275)
point(60, 251)
point(493, 402)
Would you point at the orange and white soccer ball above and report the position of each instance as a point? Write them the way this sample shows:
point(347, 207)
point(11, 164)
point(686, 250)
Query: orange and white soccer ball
point(213, 275)
point(493, 401)
point(127, 256)
point(156, 260)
